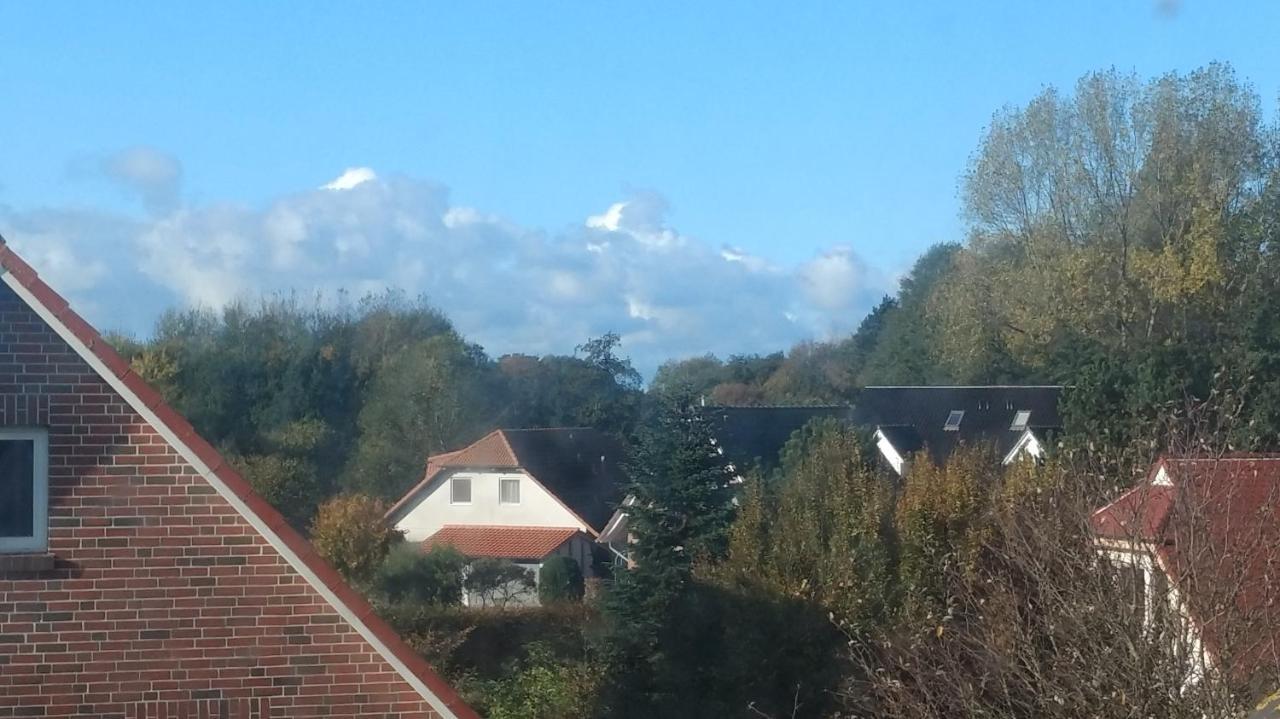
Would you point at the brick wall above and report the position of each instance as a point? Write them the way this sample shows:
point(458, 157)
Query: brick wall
point(162, 600)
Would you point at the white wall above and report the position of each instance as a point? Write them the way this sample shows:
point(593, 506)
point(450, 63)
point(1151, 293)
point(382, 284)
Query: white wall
point(537, 507)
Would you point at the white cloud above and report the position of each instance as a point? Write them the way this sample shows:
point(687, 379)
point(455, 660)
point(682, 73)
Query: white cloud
point(351, 178)
point(834, 279)
point(610, 219)
point(510, 288)
point(154, 176)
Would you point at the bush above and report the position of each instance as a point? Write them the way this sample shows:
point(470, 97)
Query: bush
point(498, 582)
point(482, 643)
point(560, 580)
point(541, 685)
point(432, 577)
point(350, 533)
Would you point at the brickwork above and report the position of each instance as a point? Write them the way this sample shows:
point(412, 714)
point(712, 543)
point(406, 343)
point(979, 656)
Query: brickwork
point(162, 600)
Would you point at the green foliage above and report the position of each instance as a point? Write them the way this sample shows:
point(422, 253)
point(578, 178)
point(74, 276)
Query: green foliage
point(682, 511)
point(820, 532)
point(308, 400)
point(482, 643)
point(555, 391)
point(540, 685)
point(411, 575)
point(560, 580)
point(498, 582)
point(939, 525)
point(602, 353)
point(350, 533)
point(288, 483)
point(422, 401)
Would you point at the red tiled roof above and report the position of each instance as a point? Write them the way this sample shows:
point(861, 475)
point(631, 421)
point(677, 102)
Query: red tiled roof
point(136, 390)
point(1214, 528)
point(492, 450)
point(502, 542)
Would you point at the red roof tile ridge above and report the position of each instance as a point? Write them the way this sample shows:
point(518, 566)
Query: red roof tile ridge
point(515, 458)
point(54, 304)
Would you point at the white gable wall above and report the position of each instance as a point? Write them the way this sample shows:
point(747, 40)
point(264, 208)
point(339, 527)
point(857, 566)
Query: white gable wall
point(433, 510)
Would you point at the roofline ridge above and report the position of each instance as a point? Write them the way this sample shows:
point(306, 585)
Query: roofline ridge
point(511, 452)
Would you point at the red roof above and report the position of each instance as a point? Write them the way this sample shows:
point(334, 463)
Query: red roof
point(577, 466)
point(1213, 526)
point(502, 542)
point(45, 300)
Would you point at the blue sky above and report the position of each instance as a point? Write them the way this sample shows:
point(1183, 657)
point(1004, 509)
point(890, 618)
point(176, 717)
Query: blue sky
point(772, 168)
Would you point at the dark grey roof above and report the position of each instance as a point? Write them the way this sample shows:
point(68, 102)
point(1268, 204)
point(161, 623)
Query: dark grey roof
point(916, 416)
point(750, 435)
point(581, 466)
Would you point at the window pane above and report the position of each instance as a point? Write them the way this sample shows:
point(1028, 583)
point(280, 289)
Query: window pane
point(17, 488)
point(461, 490)
point(509, 491)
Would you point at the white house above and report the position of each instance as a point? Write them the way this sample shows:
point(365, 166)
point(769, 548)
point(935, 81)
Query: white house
point(1198, 542)
point(518, 494)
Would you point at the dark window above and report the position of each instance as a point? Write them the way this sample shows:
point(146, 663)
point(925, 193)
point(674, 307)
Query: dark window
point(17, 488)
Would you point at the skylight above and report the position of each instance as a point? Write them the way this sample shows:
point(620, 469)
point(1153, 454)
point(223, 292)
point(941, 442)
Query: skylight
point(953, 420)
point(1020, 420)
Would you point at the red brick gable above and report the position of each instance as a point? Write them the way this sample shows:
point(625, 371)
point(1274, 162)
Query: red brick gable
point(174, 591)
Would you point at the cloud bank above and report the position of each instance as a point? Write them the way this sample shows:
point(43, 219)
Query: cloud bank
point(623, 268)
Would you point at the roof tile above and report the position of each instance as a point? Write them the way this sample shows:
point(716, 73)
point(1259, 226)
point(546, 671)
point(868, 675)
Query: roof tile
point(502, 542)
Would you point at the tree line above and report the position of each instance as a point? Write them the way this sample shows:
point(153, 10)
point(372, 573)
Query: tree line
point(312, 400)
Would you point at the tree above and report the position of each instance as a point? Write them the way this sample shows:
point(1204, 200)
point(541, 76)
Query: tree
point(939, 525)
point(1040, 624)
point(1111, 213)
point(555, 391)
point(541, 686)
point(423, 400)
point(699, 374)
point(906, 350)
point(431, 577)
point(288, 483)
point(560, 580)
point(818, 532)
point(682, 511)
point(350, 533)
point(601, 353)
point(498, 582)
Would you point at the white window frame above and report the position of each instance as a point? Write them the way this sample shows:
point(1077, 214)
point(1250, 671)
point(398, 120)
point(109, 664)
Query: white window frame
point(471, 489)
point(39, 541)
point(1020, 420)
point(958, 416)
point(502, 481)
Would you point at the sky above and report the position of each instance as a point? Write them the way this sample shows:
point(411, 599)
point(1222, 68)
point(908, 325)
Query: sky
point(720, 177)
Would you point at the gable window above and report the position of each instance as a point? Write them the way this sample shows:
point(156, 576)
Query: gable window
point(24, 490)
point(509, 491)
point(953, 420)
point(1020, 420)
point(460, 490)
